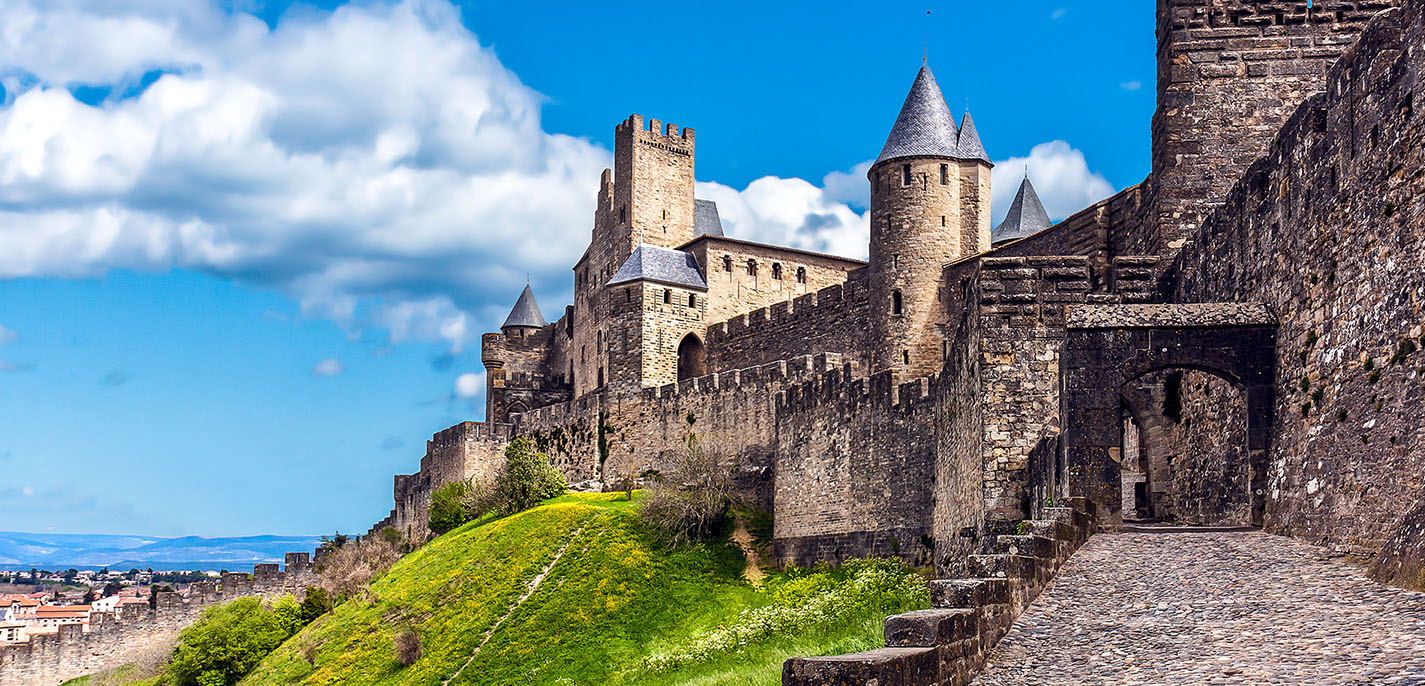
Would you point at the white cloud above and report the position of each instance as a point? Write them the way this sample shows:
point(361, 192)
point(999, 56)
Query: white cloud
point(359, 180)
point(8, 335)
point(1131, 85)
point(28, 490)
point(789, 212)
point(328, 367)
point(469, 385)
point(849, 186)
point(1061, 177)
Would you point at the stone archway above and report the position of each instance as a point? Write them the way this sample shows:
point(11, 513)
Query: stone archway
point(1107, 347)
point(692, 359)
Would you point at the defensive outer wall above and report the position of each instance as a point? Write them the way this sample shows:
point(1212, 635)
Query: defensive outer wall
point(138, 633)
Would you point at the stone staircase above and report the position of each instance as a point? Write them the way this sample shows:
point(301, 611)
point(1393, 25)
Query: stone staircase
point(947, 644)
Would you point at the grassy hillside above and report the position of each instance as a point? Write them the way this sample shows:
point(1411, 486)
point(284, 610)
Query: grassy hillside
point(576, 592)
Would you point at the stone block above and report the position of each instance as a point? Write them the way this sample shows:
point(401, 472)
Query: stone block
point(968, 593)
point(927, 628)
point(880, 667)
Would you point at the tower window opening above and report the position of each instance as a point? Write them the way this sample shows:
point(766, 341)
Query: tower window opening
point(888, 222)
point(942, 220)
point(667, 297)
point(877, 180)
point(905, 357)
point(895, 261)
point(777, 270)
point(727, 263)
point(905, 175)
point(801, 274)
point(598, 342)
point(752, 267)
point(944, 174)
point(895, 302)
point(665, 214)
point(628, 295)
point(623, 214)
point(692, 300)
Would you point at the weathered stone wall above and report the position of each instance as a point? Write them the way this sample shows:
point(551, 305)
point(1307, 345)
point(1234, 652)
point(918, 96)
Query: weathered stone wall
point(832, 320)
point(142, 632)
point(780, 274)
point(958, 515)
point(1102, 231)
point(1229, 73)
point(469, 450)
point(525, 369)
point(1327, 229)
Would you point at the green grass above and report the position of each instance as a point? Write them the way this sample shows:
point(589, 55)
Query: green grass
point(611, 611)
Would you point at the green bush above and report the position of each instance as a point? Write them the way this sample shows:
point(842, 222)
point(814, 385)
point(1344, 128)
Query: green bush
point(448, 506)
point(230, 639)
point(526, 479)
point(315, 604)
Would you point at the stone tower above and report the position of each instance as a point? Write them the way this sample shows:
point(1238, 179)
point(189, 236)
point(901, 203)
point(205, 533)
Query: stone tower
point(930, 204)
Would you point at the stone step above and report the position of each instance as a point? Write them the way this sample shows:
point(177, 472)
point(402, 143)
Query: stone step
point(968, 593)
point(1026, 544)
point(1006, 566)
point(882, 666)
point(930, 628)
point(1052, 528)
point(1083, 505)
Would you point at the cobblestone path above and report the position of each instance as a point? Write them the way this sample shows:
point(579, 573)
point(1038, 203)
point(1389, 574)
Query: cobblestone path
point(1212, 608)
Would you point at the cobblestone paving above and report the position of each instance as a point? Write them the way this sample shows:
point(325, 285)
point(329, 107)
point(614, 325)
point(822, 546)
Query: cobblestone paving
point(1212, 608)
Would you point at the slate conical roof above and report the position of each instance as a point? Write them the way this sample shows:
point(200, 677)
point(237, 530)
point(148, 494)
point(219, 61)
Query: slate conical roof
point(1026, 216)
point(706, 221)
point(970, 147)
point(925, 126)
point(525, 313)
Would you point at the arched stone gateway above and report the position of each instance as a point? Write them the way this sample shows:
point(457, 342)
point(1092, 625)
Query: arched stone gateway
point(692, 360)
point(1110, 349)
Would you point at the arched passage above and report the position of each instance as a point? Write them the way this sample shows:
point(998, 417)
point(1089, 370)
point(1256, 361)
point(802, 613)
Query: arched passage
point(692, 360)
point(1109, 348)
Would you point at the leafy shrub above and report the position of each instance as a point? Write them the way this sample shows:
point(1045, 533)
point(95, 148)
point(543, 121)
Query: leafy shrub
point(316, 603)
point(448, 506)
point(346, 572)
point(526, 479)
point(690, 500)
point(230, 639)
point(408, 647)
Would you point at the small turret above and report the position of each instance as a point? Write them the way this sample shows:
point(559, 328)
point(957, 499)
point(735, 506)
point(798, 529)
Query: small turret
point(1026, 216)
point(525, 318)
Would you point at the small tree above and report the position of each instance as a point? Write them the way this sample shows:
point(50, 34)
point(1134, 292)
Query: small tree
point(447, 507)
point(690, 500)
point(316, 603)
point(229, 640)
point(527, 478)
point(346, 572)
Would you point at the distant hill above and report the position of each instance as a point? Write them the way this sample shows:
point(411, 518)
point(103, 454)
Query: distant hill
point(93, 551)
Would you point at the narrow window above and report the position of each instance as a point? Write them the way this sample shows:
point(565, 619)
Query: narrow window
point(878, 179)
point(727, 263)
point(667, 296)
point(944, 174)
point(895, 261)
point(942, 220)
point(801, 274)
point(905, 357)
point(692, 300)
point(752, 267)
point(598, 342)
point(622, 214)
point(601, 377)
point(888, 222)
point(777, 270)
point(628, 295)
point(905, 173)
point(895, 302)
point(665, 214)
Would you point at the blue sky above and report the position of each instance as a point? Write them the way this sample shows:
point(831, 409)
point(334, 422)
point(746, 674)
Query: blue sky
point(246, 250)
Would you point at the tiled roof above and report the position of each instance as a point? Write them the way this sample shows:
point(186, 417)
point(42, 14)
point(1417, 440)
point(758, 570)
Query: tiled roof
point(664, 265)
point(706, 221)
point(925, 126)
point(1026, 216)
point(526, 311)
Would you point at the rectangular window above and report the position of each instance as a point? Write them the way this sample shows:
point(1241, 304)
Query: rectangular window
point(944, 174)
point(692, 300)
point(942, 220)
point(667, 296)
point(905, 172)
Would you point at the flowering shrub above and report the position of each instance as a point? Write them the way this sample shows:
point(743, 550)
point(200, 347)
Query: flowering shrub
point(803, 602)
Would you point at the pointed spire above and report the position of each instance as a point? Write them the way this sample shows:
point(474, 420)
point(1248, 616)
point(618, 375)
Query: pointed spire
point(1026, 215)
point(525, 313)
point(970, 147)
point(925, 126)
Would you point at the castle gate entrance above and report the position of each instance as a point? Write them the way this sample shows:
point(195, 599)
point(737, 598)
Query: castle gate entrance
point(692, 360)
point(1122, 367)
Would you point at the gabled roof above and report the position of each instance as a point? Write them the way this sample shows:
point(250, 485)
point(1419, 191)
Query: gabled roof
point(925, 126)
point(1026, 216)
point(664, 265)
point(525, 313)
point(970, 147)
point(706, 221)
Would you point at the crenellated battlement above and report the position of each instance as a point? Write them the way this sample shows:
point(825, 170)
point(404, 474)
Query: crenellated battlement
point(655, 130)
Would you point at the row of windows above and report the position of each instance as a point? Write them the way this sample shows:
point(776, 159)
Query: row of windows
point(906, 177)
point(776, 269)
point(667, 297)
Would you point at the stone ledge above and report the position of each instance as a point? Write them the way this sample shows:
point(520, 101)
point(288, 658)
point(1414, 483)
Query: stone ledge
point(1188, 315)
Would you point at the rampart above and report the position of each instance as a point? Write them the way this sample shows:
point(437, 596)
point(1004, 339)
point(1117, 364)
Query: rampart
point(466, 450)
point(1326, 228)
point(138, 632)
point(834, 319)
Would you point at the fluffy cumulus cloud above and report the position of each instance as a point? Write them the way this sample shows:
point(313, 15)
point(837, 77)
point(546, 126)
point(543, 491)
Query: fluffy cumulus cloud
point(469, 385)
point(328, 367)
point(1061, 177)
point(386, 188)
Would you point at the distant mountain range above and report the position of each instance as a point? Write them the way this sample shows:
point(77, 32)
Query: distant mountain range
point(86, 551)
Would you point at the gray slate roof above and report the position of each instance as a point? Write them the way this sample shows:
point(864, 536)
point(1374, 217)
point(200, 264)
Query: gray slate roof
point(970, 147)
point(664, 265)
point(1026, 216)
point(706, 221)
point(925, 126)
point(526, 311)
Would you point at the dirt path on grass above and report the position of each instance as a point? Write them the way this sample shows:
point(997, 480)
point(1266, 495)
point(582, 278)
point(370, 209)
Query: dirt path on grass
point(529, 591)
point(743, 539)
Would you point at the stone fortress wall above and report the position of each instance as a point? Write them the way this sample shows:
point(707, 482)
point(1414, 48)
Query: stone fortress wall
point(137, 633)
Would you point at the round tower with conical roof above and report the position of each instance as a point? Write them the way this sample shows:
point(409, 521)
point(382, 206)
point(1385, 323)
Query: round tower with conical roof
point(930, 204)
